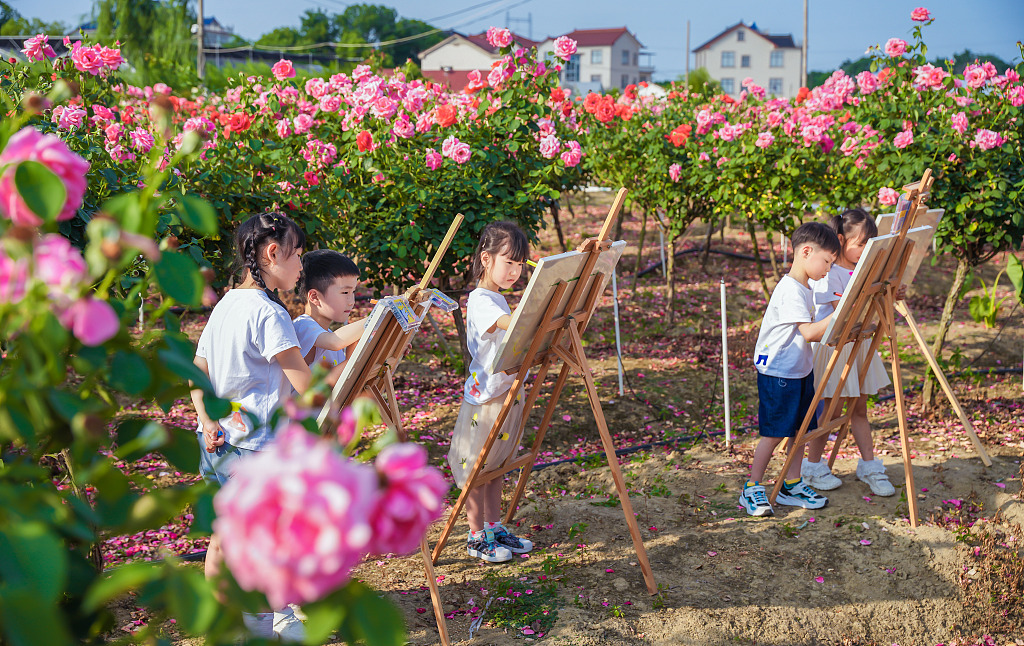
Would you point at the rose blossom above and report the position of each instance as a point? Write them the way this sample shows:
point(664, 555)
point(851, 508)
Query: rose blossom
point(112, 60)
point(565, 47)
point(549, 146)
point(888, 196)
point(499, 37)
point(68, 117)
point(403, 127)
point(283, 69)
point(433, 159)
point(1016, 95)
point(895, 47)
point(903, 139)
point(58, 263)
point(303, 123)
point(38, 48)
point(975, 76)
point(30, 144)
point(364, 141)
point(987, 139)
point(573, 153)
point(920, 15)
point(867, 82)
point(959, 121)
point(929, 76)
point(142, 140)
point(413, 497)
point(92, 321)
point(298, 518)
point(13, 277)
point(87, 59)
point(674, 171)
point(284, 128)
point(764, 140)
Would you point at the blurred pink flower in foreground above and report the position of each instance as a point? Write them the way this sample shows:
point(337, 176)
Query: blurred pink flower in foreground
point(30, 144)
point(412, 499)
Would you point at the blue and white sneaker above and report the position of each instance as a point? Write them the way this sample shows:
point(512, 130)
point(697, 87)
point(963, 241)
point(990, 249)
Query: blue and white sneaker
point(487, 548)
point(755, 501)
point(515, 544)
point(800, 495)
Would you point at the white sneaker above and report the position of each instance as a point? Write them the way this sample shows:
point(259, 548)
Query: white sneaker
point(259, 624)
point(755, 501)
point(800, 495)
point(873, 473)
point(288, 627)
point(818, 476)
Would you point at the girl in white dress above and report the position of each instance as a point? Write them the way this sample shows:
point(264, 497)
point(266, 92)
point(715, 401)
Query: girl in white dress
point(854, 228)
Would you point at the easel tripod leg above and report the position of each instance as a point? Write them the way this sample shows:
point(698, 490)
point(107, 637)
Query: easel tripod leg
point(435, 593)
point(901, 415)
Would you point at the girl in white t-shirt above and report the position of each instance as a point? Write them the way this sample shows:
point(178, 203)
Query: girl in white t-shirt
point(854, 228)
point(497, 265)
point(251, 354)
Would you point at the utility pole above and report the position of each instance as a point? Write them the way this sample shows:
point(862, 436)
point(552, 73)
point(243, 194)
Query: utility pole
point(200, 42)
point(803, 51)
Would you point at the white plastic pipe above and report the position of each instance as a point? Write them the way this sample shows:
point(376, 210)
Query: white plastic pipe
point(785, 249)
point(725, 372)
point(664, 265)
point(618, 340)
point(142, 319)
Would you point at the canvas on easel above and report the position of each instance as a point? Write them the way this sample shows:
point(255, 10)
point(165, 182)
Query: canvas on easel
point(371, 369)
point(868, 314)
point(565, 304)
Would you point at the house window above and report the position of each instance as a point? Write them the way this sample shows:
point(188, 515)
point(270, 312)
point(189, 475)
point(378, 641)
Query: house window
point(596, 56)
point(728, 59)
point(625, 57)
point(636, 60)
point(741, 35)
point(572, 69)
point(775, 86)
point(728, 86)
point(745, 61)
point(595, 78)
point(625, 81)
point(778, 59)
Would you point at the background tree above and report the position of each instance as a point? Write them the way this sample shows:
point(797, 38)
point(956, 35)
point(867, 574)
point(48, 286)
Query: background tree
point(156, 37)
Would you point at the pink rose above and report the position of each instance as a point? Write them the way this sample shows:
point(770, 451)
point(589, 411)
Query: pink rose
point(549, 146)
point(283, 69)
point(975, 76)
point(13, 278)
point(920, 15)
point(403, 127)
point(867, 82)
point(119, 153)
point(895, 47)
point(112, 60)
point(571, 157)
point(330, 103)
point(142, 140)
point(69, 117)
point(87, 59)
point(987, 139)
point(413, 498)
point(298, 518)
point(888, 196)
point(764, 140)
point(384, 107)
point(499, 37)
point(565, 47)
point(30, 144)
point(1016, 95)
point(92, 321)
point(959, 121)
point(38, 48)
point(703, 157)
point(283, 127)
point(59, 264)
point(674, 171)
point(433, 159)
point(317, 87)
point(303, 123)
point(461, 153)
point(929, 76)
point(448, 145)
point(903, 139)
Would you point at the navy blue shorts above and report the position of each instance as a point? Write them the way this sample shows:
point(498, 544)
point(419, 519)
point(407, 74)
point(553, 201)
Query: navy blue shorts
point(782, 404)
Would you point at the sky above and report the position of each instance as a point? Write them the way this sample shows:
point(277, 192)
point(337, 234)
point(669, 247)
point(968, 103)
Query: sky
point(837, 29)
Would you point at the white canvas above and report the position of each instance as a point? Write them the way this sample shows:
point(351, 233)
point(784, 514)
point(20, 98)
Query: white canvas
point(876, 251)
point(928, 218)
point(564, 267)
point(922, 237)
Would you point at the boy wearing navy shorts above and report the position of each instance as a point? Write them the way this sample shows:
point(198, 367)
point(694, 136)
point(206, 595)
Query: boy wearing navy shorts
point(784, 362)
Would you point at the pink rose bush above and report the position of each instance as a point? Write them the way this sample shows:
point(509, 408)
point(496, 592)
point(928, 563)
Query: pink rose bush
point(28, 144)
point(38, 48)
point(301, 516)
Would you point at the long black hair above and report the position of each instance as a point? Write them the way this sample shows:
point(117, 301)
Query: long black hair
point(255, 234)
point(501, 237)
point(850, 220)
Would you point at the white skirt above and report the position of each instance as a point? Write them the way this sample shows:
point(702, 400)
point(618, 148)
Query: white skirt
point(875, 379)
point(471, 430)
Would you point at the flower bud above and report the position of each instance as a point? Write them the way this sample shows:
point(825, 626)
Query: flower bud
point(170, 243)
point(34, 103)
point(208, 274)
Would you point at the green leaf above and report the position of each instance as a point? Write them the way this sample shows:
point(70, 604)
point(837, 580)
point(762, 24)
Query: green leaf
point(121, 580)
point(372, 619)
point(27, 622)
point(129, 373)
point(191, 600)
point(33, 559)
point(256, 145)
point(323, 618)
point(198, 215)
point(182, 450)
point(179, 278)
point(1015, 271)
point(44, 193)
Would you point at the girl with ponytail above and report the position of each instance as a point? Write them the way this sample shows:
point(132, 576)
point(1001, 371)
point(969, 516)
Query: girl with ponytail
point(251, 354)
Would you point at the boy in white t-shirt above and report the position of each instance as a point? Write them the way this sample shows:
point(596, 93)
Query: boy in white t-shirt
point(328, 287)
point(784, 362)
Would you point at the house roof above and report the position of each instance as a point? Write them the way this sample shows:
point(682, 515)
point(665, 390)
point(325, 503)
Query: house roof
point(780, 40)
point(480, 40)
point(599, 37)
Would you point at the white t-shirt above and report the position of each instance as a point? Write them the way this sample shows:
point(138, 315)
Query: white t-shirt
point(781, 350)
point(483, 309)
point(245, 332)
point(308, 330)
point(825, 290)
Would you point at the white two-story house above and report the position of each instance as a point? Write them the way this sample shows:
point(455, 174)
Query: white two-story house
point(772, 61)
point(604, 59)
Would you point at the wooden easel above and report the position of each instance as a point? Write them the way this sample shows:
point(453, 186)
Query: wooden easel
point(566, 346)
point(377, 379)
point(874, 318)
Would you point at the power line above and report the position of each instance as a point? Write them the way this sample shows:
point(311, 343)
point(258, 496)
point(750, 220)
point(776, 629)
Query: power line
point(455, 13)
